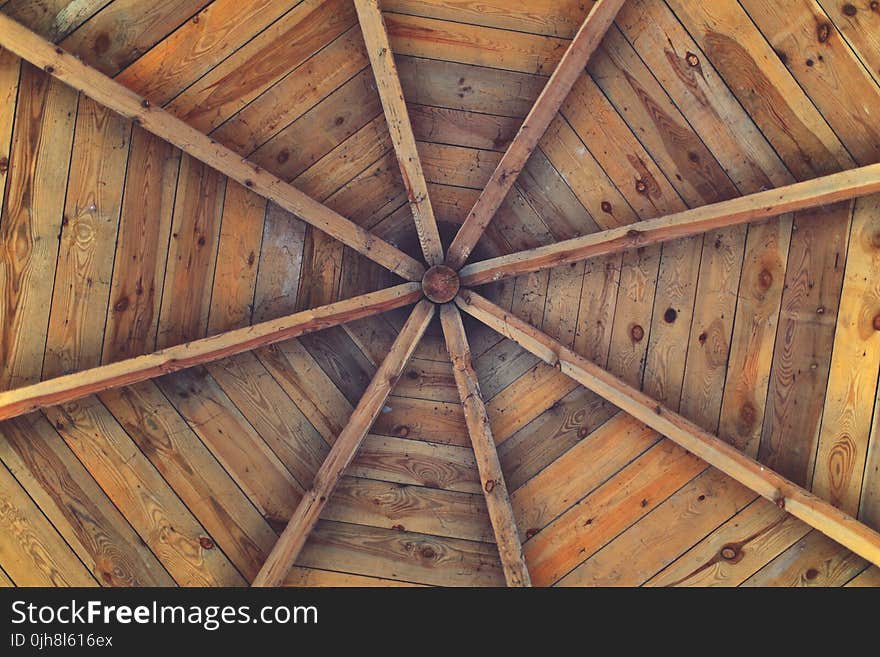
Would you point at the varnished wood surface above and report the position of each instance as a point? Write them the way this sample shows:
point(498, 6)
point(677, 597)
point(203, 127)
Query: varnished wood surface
point(762, 333)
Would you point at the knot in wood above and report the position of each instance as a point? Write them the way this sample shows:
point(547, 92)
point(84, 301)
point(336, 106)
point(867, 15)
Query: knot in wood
point(440, 284)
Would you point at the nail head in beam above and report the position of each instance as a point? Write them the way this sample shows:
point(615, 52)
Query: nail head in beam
point(109, 93)
point(399, 126)
point(571, 65)
point(843, 186)
point(799, 502)
point(307, 512)
point(516, 573)
point(70, 387)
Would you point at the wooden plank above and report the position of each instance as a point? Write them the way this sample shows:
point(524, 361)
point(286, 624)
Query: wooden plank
point(417, 462)
point(54, 19)
point(826, 190)
point(193, 49)
point(802, 504)
point(572, 63)
point(10, 74)
point(671, 529)
point(397, 118)
point(80, 384)
point(516, 573)
point(88, 240)
point(405, 507)
point(830, 73)
point(291, 542)
point(142, 247)
point(232, 84)
point(302, 577)
point(192, 254)
point(54, 478)
point(734, 551)
point(206, 489)
point(403, 555)
point(137, 489)
point(238, 256)
point(852, 383)
point(38, 164)
point(32, 552)
point(274, 416)
point(455, 41)
point(116, 36)
point(280, 267)
point(248, 458)
point(815, 560)
point(161, 123)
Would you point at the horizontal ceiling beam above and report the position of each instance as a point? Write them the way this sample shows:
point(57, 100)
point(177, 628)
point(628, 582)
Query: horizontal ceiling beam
point(399, 126)
point(307, 512)
point(761, 205)
point(571, 65)
point(70, 387)
point(799, 502)
point(109, 93)
point(516, 573)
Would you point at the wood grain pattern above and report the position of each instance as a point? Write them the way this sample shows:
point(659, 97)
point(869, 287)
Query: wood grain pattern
point(88, 240)
point(33, 206)
point(105, 542)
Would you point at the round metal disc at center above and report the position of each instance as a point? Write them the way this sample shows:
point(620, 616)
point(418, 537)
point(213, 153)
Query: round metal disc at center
point(440, 284)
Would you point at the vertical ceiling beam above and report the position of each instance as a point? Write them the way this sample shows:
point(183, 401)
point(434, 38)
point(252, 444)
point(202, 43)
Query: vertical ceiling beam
point(109, 93)
point(399, 125)
point(799, 502)
point(554, 93)
point(516, 573)
point(74, 386)
point(306, 514)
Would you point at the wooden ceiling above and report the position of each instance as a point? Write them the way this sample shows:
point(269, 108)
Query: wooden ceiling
point(115, 244)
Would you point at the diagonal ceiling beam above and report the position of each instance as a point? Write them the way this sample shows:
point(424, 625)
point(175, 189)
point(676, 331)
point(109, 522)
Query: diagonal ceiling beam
point(820, 191)
point(396, 116)
point(516, 573)
point(799, 502)
point(570, 67)
point(306, 514)
point(127, 372)
point(111, 94)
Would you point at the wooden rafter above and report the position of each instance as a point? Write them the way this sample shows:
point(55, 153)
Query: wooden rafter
point(306, 514)
point(516, 573)
point(799, 502)
point(111, 94)
point(545, 108)
point(399, 125)
point(820, 191)
point(127, 372)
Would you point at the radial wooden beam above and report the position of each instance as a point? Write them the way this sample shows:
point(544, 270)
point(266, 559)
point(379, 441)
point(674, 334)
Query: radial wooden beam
point(111, 94)
point(516, 573)
point(799, 502)
point(306, 514)
point(126, 372)
point(820, 191)
point(399, 125)
point(570, 67)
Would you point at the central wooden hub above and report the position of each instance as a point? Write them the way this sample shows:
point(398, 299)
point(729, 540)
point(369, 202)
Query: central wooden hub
point(440, 284)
